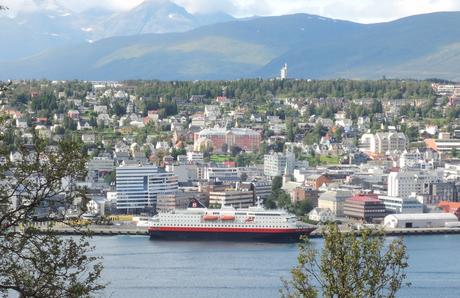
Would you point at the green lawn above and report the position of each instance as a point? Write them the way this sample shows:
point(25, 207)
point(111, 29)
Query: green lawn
point(329, 160)
point(221, 158)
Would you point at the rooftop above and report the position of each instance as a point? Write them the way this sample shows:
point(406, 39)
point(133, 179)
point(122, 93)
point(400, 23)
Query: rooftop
point(365, 197)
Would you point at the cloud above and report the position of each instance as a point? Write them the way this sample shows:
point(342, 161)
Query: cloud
point(366, 11)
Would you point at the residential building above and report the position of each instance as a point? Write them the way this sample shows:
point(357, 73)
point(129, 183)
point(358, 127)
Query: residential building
point(99, 168)
point(166, 202)
point(235, 198)
point(321, 215)
point(442, 191)
point(410, 159)
point(315, 181)
point(443, 145)
point(300, 194)
point(405, 183)
point(195, 157)
point(334, 200)
point(262, 189)
point(229, 174)
point(275, 164)
point(383, 142)
point(450, 207)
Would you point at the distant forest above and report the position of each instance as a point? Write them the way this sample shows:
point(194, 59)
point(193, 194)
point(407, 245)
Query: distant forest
point(255, 89)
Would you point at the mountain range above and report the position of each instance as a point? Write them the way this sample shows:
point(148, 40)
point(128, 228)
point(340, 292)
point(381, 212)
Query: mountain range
point(422, 46)
point(48, 24)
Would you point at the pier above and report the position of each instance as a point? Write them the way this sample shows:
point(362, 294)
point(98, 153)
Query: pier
point(130, 229)
point(402, 232)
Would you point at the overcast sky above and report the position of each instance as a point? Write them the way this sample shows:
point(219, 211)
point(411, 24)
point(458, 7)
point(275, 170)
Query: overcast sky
point(364, 11)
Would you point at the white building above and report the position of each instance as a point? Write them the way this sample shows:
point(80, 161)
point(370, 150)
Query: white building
point(195, 157)
point(284, 72)
point(183, 172)
point(410, 159)
point(138, 186)
point(212, 112)
point(420, 220)
point(383, 142)
point(235, 198)
point(401, 205)
point(321, 215)
point(98, 168)
point(221, 174)
point(276, 164)
point(405, 183)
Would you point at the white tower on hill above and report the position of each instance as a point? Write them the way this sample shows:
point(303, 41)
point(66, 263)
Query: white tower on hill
point(284, 72)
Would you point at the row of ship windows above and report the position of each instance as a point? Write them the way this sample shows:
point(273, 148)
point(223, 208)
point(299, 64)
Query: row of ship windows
point(225, 226)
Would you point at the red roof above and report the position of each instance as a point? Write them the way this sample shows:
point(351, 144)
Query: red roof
point(450, 207)
point(230, 164)
point(365, 197)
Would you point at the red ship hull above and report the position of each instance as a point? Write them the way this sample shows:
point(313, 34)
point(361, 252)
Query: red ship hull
point(231, 234)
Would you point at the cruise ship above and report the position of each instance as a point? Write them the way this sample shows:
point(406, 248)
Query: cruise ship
point(227, 223)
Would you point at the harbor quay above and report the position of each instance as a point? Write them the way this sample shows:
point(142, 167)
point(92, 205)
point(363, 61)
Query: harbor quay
point(131, 229)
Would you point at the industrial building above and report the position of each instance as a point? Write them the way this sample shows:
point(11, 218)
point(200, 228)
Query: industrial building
point(420, 220)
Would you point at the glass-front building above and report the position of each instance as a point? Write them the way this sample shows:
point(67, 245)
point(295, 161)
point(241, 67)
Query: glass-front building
point(139, 186)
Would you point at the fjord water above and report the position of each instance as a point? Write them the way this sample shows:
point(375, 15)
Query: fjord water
point(136, 266)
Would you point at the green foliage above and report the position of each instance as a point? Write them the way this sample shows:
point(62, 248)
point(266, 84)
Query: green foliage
point(175, 152)
point(277, 183)
point(301, 208)
point(349, 266)
point(39, 263)
point(314, 136)
point(119, 108)
point(278, 199)
point(235, 150)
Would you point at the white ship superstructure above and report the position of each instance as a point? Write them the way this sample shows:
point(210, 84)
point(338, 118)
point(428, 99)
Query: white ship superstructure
point(249, 222)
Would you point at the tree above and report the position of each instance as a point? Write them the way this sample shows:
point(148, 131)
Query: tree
point(224, 148)
point(235, 150)
point(349, 266)
point(39, 263)
point(277, 183)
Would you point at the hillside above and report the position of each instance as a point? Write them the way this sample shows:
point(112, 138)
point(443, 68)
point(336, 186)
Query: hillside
point(49, 25)
point(314, 47)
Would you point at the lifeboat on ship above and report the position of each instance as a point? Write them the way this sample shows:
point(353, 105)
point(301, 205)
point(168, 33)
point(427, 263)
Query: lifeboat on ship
point(227, 217)
point(210, 217)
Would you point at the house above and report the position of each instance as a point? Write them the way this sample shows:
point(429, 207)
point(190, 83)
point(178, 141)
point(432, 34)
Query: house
point(81, 125)
point(450, 207)
point(73, 114)
point(88, 138)
point(21, 123)
point(334, 200)
point(315, 181)
point(43, 131)
point(321, 215)
point(103, 119)
point(100, 109)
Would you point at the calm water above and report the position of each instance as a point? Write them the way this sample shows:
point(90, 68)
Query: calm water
point(139, 267)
